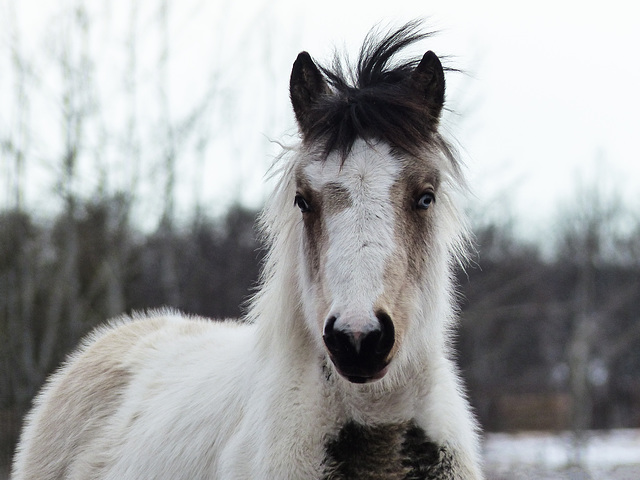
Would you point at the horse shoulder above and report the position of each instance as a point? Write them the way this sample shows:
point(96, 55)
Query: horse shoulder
point(186, 398)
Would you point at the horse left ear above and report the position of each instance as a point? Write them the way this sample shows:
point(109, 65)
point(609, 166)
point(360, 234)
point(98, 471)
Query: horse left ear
point(306, 86)
point(428, 80)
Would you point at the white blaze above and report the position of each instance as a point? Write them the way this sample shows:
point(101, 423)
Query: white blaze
point(361, 237)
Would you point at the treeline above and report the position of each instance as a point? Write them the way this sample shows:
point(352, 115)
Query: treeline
point(553, 341)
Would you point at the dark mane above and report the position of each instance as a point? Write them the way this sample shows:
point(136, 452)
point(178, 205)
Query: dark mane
point(376, 99)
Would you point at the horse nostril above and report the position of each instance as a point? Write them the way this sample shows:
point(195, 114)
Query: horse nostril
point(328, 326)
point(386, 339)
point(337, 341)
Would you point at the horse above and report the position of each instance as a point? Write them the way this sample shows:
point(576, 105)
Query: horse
point(343, 367)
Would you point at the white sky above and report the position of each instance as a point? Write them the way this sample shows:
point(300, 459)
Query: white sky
point(552, 96)
point(551, 92)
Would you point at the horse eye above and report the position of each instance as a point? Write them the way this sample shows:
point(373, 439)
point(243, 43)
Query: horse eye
point(425, 200)
point(301, 203)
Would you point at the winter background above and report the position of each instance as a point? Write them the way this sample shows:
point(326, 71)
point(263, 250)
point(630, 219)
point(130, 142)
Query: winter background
point(132, 131)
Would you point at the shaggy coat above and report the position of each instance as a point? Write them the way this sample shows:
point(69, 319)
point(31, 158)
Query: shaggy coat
point(343, 368)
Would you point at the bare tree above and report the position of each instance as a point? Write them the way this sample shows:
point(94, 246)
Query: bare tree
point(15, 145)
point(590, 239)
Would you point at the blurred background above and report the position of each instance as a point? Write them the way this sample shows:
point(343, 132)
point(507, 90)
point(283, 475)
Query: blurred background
point(134, 142)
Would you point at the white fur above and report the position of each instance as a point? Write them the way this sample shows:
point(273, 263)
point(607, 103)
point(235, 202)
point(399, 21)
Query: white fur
point(251, 401)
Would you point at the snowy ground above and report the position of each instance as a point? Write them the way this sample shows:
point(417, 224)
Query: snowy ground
point(610, 455)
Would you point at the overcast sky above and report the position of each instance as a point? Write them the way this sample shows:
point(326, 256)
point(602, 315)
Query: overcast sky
point(550, 93)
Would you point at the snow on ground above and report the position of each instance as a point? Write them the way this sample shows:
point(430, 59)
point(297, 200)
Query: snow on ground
point(606, 455)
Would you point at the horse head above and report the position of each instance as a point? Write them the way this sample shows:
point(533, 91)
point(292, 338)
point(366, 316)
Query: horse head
point(369, 184)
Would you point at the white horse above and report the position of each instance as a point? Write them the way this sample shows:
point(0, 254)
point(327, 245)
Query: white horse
point(343, 368)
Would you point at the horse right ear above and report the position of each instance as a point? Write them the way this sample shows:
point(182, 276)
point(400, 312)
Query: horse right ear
point(306, 86)
point(428, 81)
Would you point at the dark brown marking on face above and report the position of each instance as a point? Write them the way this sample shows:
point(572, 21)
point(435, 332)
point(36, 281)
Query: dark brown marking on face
point(336, 197)
point(414, 227)
point(389, 451)
point(413, 233)
point(313, 224)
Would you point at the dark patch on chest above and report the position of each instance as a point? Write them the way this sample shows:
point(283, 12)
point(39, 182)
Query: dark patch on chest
point(390, 452)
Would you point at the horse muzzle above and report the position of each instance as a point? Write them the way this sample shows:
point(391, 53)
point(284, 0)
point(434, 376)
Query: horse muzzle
point(359, 348)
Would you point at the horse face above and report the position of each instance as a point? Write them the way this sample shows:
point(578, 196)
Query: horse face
point(367, 224)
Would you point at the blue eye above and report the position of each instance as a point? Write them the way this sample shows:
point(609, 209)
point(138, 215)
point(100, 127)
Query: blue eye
point(301, 203)
point(425, 200)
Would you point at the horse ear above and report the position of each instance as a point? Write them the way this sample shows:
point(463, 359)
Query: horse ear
point(306, 86)
point(428, 80)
